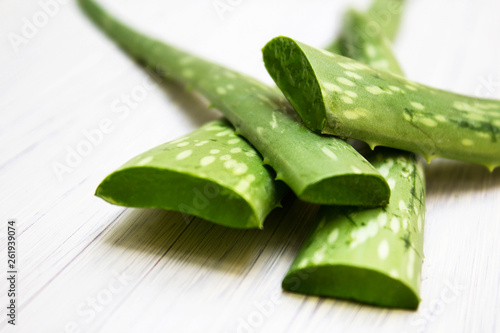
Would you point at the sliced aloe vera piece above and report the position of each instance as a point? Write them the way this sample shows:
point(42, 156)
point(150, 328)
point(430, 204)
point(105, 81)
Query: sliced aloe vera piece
point(211, 173)
point(372, 256)
point(317, 168)
point(340, 96)
point(369, 255)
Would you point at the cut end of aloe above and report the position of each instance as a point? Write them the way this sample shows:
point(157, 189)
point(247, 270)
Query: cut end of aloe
point(290, 69)
point(352, 283)
point(368, 190)
point(211, 173)
point(150, 187)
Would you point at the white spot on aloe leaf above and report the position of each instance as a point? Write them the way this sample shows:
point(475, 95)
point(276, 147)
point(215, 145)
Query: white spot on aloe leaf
point(371, 50)
point(221, 91)
point(214, 151)
point(329, 153)
point(303, 263)
point(230, 87)
point(145, 160)
point(187, 73)
point(201, 143)
point(207, 160)
point(353, 75)
point(351, 114)
point(410, 87)
point(345, 81)
point(347, 100)
point(251, 153)
point(440, 117)
point(428, 122)
point(186, 60)
point(184, 154)
point(333, 236)
point(417, 105)
point(467, 142)
point(382, 219)
point(235, 150)
point(397, 89)
point(383, 249)
point(182, 144)
point(274, 122)
point(233, 141)
point(225, 157)
point(374, 90)
point(395, 224)
point(240, 168)
point(361, 234)
point(224, 133)
point(250, 178)
point(242, 185)
point(318, 256)
point(355, 170)
point(332, 87)
point(229, 164)
point(351, 93)
point(402, 206)
point(346, 66)
point(391, 182)
point(394, 273)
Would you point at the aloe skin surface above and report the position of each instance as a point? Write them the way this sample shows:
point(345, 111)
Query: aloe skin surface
point(319, 169)
point(339, 96)
point(211, 173)
point(373, 255)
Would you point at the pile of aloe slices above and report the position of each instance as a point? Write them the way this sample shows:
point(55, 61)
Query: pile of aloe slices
point(367, 242)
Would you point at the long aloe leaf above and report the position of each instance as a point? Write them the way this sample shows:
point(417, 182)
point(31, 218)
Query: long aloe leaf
point(340, 96)
point(385, 18)
point(372, 256)
point(210, 173)
point(370, 48)
point(318, 169)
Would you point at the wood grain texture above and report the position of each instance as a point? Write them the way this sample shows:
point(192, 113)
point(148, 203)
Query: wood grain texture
point(150, 270)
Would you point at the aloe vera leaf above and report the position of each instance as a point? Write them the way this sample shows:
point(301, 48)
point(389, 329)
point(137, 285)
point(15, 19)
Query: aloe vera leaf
point(385, 18)
point(357, 42)
point(339, 96)
point(368, 255)
point(372, 256)
point(318, 169)
point(210, 173)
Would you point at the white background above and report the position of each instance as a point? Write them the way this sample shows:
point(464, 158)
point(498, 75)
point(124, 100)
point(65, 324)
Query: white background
point(148, 270)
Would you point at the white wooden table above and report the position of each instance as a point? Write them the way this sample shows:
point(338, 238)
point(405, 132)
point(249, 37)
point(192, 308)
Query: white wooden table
point(87, 266)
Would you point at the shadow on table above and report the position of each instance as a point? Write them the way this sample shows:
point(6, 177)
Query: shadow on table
point(193, 241)
point(447, 177)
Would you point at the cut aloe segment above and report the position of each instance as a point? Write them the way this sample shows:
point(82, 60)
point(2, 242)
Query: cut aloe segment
point(317, 168)
point(210, 173)
point(359, 254)
point(372, 255)
point(340, 96)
